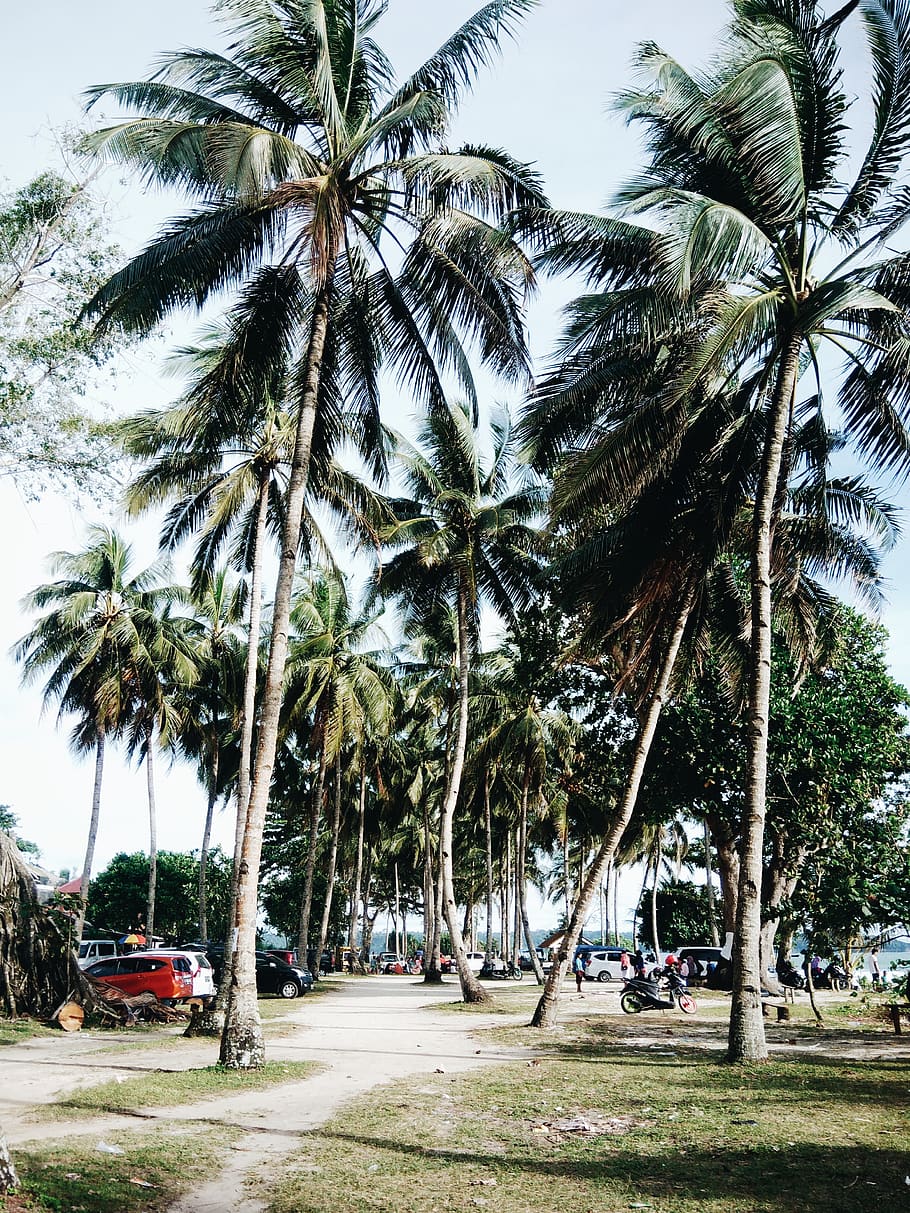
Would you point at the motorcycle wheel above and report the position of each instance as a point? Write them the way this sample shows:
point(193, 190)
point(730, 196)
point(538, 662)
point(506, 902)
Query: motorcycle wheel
point(517, 974)
point(631, 1002)
point(687, 1004)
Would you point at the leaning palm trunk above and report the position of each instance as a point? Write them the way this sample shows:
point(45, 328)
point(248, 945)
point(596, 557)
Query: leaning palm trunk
point(92, 837)
point(471, 989)
point(206, 844)
point(306, 903)
point(746, 1040)
point(153, 839)
point(545, 1012)
point(333, 860)
point(241, 1042)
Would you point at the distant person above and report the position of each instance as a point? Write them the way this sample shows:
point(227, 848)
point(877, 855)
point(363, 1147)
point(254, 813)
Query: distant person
point(875, 966)
point(579, 967)
point(684, 969)
point(638, 963)
point(624, 965)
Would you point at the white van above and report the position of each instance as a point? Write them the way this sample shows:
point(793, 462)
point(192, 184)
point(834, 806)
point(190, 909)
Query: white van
point(91, 950)
point(200, 967)
point(604, 964)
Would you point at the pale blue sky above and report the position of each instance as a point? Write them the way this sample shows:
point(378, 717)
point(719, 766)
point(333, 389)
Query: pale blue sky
point(546, 101)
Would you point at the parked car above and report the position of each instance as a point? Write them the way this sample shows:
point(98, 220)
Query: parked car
point(200, 970)
point(168, 977)
point(543, 955)
point(704, 955)
point(605, 965)
point(475, 961)
point(391, 962)
point(288, 955)
point(273, 976)
point(91, 950)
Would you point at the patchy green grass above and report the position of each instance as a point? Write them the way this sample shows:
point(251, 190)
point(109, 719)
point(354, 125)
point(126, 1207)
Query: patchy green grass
point(671, 1128)
point(153, 1170)
point(14, 1031)
point(167, 1088)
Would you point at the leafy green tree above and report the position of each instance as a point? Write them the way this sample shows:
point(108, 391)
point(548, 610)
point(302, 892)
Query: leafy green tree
point(117, 899)
point(54, 253)
point(308, 161)
point(681, 916)
point(9, 823)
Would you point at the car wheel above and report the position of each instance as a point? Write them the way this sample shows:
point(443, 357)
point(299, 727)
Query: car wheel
point(288, 989)
point(603, 975)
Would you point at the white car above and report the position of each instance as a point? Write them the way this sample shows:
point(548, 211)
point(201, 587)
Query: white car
point(91, 950)
point(475, 961)
point(200, 969)
point(604, 965)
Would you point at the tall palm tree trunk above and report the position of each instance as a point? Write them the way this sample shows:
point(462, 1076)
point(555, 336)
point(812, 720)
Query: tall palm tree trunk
point(616, 904)
point(709, 885)
point(333, 860)
point(545, 1012)
point(432, 974)
point(206, 843)
point(242, 1045)
point(521, 881)
point(92, 837)
point(488, 859)
point(358, 867)
point(746, 1039)
point(153, 839)
point(306, 903)
point(471, 989)
point(656, 875)
point(212, 1023)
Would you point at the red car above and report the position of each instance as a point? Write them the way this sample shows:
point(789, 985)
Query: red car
point(169, 978)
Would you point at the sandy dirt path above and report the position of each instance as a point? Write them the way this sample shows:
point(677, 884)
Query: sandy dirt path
point(364, 1033)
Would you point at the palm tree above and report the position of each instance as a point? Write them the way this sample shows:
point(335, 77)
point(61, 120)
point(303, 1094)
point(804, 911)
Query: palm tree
point(763, 256)
point(308, 162)
point(336, 691)
point(98, 640)
point(460, 538)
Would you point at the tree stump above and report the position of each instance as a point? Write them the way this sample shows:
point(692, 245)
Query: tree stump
point(70, 1017)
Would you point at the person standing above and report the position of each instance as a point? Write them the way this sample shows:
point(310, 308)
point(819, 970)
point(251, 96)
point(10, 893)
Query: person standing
point(639, 964)
point(624, 965)
point(875, 965)
point(579, 967)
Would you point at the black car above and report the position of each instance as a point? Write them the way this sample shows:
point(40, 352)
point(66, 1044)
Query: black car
point(273, 975)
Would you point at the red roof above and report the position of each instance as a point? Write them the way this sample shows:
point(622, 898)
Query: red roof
point(71, 886)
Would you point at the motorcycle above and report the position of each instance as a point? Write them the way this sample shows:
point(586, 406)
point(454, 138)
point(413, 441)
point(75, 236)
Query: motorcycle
point(644, 994)
point(787, 975)
point(504, 972)
point(832, 978)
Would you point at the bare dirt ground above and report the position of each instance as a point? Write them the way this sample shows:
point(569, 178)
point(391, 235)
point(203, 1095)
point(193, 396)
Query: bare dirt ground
point(363, 1032)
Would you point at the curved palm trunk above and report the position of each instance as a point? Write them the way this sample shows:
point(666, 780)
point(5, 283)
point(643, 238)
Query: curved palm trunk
point(333, 860)
point(545, 1012)
point(153, 839)
point(92, 837)
point(242, 1044)
point(616, 904)
point(746, 1039)
point(471, 989)
point(306, 903)
point(206, 845)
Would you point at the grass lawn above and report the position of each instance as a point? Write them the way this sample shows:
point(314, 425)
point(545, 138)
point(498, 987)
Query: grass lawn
point(153, 1170)
point(159, 1088)
point(596, 1122)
